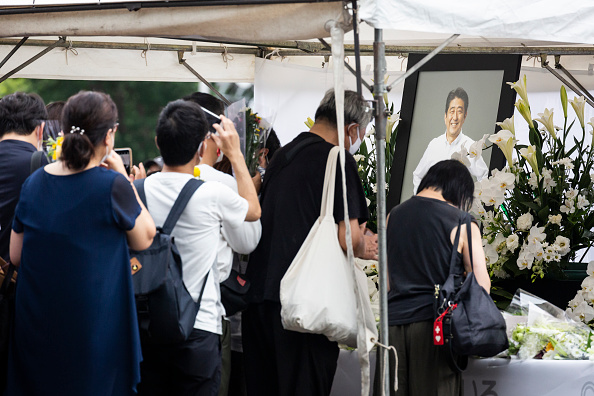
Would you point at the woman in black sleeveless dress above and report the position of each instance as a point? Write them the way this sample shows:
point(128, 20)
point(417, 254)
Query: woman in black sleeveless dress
point(420, 237)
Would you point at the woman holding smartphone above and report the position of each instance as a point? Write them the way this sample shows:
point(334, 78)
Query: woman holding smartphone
point(75, 329)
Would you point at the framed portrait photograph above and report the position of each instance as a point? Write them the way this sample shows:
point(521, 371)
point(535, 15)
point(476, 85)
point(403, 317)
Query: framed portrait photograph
point(448, 104)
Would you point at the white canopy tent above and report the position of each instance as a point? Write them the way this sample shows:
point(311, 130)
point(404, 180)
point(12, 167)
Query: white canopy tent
point(125, 40)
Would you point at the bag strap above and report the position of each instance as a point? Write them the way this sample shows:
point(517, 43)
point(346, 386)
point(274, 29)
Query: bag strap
point(469, 238)
point(202, 290)
point(453, 261)
point(180, 204)
point(139, 184)
point(327, 207)
point(36, 161)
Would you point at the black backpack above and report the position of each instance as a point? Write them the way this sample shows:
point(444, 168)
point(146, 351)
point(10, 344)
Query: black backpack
point(165, 308)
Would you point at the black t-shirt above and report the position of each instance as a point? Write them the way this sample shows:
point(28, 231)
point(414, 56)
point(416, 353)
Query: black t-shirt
point(291, 201)
point(15, 167)
point(419, 252)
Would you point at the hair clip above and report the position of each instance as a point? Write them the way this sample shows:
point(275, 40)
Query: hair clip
point(77, 130)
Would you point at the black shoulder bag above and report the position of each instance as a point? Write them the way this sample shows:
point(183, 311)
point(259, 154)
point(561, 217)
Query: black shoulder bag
point(471, 322)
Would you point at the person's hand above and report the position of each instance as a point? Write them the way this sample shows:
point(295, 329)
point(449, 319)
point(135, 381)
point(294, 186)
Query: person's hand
point(114, 162)
point(227, 138)
point(371, 246)
point(138, 172)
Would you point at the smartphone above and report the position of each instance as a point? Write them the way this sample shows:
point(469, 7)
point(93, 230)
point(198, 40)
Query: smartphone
point(126, 154)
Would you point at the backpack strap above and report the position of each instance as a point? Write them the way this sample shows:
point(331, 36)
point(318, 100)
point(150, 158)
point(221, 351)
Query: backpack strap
point(139, 184)
point(180, 204)
point(36, 161)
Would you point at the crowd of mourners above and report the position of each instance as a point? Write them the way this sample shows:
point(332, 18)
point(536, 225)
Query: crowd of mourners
point(68, 225)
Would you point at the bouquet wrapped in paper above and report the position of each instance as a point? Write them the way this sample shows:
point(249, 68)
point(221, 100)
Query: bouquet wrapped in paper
point(539, 330)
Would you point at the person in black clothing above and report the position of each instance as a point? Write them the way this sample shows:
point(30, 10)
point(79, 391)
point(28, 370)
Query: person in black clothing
point(22, 119)
point(420, 235)
point(280, 362)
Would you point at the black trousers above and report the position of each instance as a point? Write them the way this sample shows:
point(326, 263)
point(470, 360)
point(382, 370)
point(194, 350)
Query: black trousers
point(190, 368)
point(422, 367)
point(284, 363)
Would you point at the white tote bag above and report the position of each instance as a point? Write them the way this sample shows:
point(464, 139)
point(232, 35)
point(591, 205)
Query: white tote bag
point(318, 293)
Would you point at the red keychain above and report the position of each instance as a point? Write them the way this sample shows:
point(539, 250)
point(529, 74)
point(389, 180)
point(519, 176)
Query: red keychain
point(438, 326)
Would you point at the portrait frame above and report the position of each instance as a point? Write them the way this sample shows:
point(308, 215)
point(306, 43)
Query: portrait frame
point(505, 68)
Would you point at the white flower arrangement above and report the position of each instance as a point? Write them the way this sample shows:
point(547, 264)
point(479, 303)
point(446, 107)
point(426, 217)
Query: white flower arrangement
point(537, 211)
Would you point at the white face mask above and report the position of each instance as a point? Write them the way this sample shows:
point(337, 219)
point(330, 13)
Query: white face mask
point(356, 144)
point(107, 152)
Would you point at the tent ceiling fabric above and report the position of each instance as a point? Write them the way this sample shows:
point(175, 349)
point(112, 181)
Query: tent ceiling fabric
point(236, 23)
point(548, 20)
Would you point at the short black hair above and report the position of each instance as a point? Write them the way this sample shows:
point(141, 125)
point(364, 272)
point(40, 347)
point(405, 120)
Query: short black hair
point(180, 130)
point(457, 93)
point(272, 144)
point(21, 113)
point(453, 180)
point(209, 102)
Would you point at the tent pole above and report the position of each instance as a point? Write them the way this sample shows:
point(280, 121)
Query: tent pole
point(182, 61)
point(13, 51)
point(379, 88)
point(545, 65)
point(559, 66)
point(33, 59)
point(357, 49)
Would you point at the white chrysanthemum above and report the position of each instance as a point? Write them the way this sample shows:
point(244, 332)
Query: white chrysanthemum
point(555, 219)
point(563, 245)
point(525, 221)
point(512, 242)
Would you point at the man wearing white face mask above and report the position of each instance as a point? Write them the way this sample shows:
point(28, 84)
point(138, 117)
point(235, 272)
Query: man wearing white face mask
point(280, 362)
point(22, 118)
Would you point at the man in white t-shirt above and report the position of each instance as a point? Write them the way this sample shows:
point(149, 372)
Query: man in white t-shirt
point(443, 146)
point(193, 366)
point(242, 239)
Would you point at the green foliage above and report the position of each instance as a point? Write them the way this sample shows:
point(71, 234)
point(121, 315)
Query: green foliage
point(139, 104)
point(367, 164)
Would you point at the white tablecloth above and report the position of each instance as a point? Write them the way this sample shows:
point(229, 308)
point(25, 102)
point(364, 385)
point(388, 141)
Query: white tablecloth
point(493, 377)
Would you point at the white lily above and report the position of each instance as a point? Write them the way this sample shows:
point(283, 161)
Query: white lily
point(506, 141)
point(524, 110)
point(578, 105)
point(530, 154)
point(507, 124)
point(520, 87)
point(546, 119)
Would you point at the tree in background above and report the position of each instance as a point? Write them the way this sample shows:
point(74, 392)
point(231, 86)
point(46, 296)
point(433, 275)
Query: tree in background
point(139, 103)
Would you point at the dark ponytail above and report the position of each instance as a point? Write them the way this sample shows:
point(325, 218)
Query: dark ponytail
point(86, 118)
